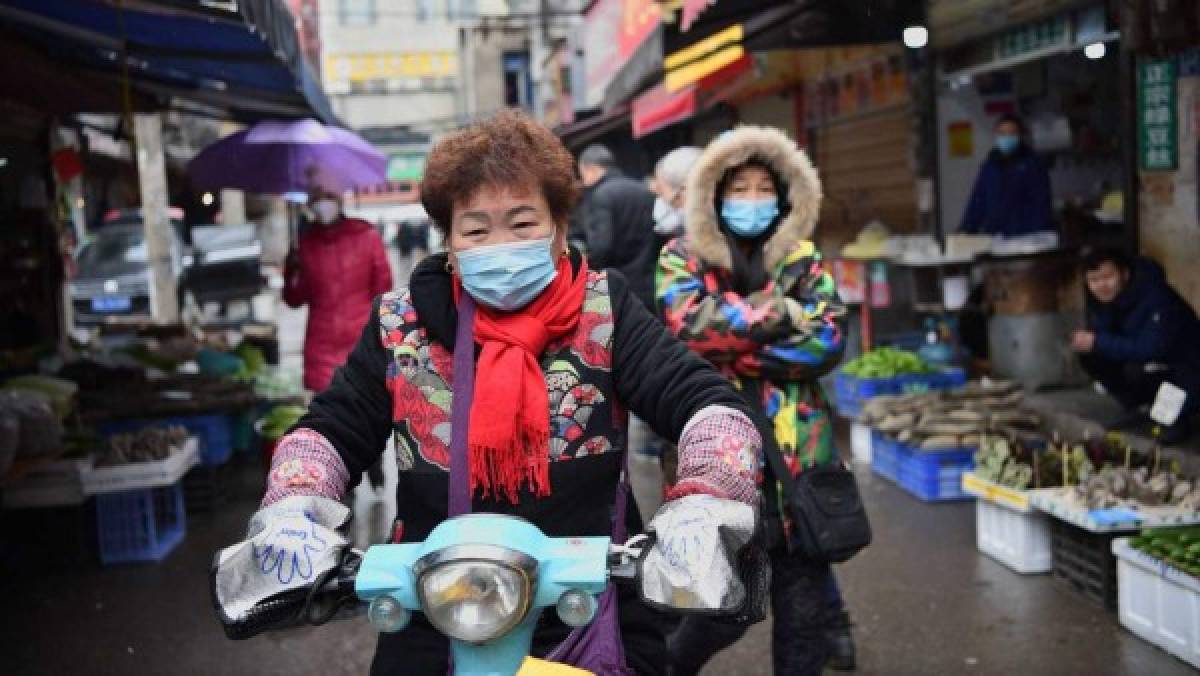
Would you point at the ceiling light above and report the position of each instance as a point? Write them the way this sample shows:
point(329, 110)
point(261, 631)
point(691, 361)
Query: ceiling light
point(916, 37)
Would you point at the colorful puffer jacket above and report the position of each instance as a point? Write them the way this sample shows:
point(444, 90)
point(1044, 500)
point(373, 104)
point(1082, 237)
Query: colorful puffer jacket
point(774, 342)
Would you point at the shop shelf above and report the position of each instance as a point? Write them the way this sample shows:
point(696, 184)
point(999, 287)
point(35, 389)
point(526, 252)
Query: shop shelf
point(142, 525)
point(1085, 562)
point(935, 476)
point(215, 432)
point(1018, 539)
point(141, 475)
point(1158, 603)
point(885, 458)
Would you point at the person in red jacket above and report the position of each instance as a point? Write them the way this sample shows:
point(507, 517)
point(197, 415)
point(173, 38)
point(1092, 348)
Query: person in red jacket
point(340, 268)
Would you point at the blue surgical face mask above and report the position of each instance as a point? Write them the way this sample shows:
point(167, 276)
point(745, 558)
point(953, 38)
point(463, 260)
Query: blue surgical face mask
point(1007, 143)
point(507, 276)
point(749, 218)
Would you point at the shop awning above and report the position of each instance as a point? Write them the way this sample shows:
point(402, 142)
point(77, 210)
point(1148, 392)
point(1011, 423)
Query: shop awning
point(658, 108)
point(245, 60)
point(585, 131)
point(730, 29)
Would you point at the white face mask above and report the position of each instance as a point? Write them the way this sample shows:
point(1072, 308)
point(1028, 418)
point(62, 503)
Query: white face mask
point(668, 221)
point(326, 211)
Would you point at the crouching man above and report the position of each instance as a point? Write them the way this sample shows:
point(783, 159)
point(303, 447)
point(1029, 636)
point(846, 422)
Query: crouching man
point(1140, 333)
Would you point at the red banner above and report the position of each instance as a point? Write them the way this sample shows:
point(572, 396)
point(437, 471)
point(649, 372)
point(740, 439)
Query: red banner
point(639, 19)
point(658, 108)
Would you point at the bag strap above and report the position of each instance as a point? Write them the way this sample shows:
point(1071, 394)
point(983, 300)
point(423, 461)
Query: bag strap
point(459, 494)
point(779, 468)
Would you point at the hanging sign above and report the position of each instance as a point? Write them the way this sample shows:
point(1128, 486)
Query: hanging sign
point(1157, 116)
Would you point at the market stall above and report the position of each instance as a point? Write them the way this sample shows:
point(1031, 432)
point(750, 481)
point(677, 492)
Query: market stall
point(135, 431)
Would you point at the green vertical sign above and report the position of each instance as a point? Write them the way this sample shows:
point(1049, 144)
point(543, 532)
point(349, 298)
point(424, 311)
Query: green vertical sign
point(1158, 124)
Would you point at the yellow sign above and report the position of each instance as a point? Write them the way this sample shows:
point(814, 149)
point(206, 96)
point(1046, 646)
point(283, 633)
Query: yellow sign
point(694, 62)
point(993, 492)
point(388, 65)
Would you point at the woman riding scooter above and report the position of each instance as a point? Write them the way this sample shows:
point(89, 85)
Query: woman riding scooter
point(562, 353)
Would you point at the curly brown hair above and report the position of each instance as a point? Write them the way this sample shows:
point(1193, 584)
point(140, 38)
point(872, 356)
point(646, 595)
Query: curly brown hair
point(507, 149)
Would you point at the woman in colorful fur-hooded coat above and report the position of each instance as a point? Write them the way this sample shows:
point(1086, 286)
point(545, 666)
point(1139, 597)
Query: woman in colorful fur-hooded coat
point(745, 288)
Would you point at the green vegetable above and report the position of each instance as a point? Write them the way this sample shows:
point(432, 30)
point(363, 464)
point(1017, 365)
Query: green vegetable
point(886, 362)
point(280, 419)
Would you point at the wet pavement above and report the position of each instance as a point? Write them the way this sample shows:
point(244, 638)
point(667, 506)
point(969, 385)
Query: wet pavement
point(923, 599)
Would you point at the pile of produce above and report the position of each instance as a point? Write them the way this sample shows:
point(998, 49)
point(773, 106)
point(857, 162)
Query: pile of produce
point(59, 393)
point(1179, 547)
point(279, 420)
point(886, 362)
point(145, 445)
point(275, 384)
point(953, 418)
point(1021, 464)
point(29, 427)
point(1117, 486)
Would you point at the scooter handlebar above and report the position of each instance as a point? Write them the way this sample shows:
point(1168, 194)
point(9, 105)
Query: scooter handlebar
point(330, 595)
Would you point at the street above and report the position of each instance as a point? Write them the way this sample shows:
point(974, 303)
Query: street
point(923, 600)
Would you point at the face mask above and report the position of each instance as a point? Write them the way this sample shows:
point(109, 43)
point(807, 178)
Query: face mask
point(507, 276)
point(749, 218)
point(668, 221)
point(326, 211)
point(1007, 143)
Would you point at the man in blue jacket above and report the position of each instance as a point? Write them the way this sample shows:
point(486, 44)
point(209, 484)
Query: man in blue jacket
point(1012, 192)
point(1141, 333)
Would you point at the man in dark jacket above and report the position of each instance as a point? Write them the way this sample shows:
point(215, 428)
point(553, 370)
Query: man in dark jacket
point(1140, 334)
point(1011, 196)
point(618, 219)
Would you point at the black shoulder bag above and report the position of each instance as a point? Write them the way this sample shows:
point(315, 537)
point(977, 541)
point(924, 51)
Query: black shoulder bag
point(827, 512)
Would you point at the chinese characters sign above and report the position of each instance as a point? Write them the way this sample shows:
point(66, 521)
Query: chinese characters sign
point(1157, 116)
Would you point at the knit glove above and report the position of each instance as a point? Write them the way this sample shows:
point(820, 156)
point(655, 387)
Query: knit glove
point(720, 454)
point(305, 463)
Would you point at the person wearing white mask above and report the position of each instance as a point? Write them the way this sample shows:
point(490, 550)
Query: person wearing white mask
point(339, 267)
point(670, 177)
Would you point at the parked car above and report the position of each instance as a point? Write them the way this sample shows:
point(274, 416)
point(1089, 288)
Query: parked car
point(113, 279)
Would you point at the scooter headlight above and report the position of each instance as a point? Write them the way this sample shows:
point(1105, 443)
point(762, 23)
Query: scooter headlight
point(475, 593)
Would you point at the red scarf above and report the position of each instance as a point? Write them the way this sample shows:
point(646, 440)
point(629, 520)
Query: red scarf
point(509, 438)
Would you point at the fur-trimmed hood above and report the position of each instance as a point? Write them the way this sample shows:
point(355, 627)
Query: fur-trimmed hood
point(791, 164)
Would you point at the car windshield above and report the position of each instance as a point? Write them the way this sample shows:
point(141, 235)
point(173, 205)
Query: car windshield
point(117, 248)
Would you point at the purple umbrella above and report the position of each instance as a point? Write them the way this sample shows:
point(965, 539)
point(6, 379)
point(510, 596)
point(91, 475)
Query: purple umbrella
point(279, 157)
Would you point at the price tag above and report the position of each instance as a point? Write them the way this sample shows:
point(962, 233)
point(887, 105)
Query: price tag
point(1168, 404)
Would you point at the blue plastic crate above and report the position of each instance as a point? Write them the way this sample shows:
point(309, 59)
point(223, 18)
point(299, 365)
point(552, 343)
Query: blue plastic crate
point(885, 460)
point(850, 393)
point(214, 433)
point(935, 476)
point(948, 378)
point(142, 525)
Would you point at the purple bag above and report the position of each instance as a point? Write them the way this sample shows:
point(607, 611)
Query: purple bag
point(597, 647)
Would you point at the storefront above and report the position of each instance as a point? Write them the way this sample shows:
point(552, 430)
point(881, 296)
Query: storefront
point(1061, 74)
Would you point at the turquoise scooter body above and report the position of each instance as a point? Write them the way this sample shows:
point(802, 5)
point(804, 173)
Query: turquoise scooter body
point(552, 568)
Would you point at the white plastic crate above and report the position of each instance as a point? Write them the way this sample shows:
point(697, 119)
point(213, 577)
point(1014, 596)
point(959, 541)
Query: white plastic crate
point(1018, 539)
point(138, 475)
point(1158, 603)
point(860, 443)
